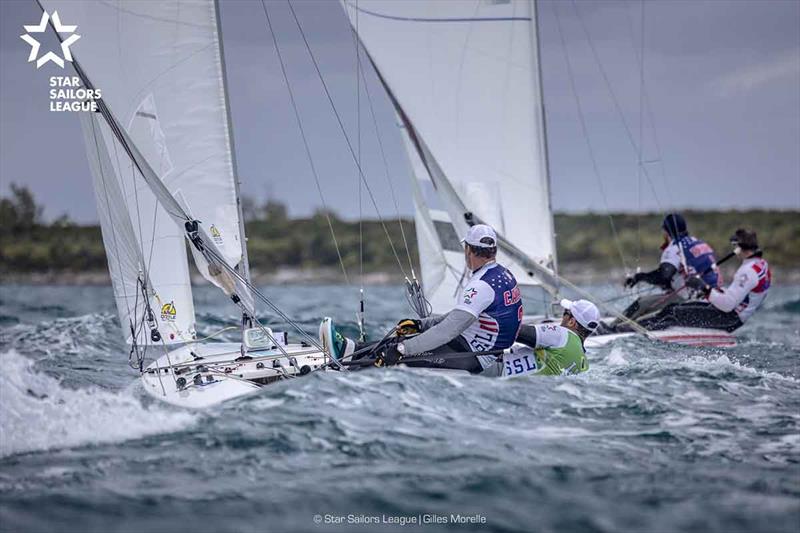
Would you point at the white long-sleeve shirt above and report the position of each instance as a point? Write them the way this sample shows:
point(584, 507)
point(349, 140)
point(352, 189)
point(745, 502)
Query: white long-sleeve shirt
point(747, 291)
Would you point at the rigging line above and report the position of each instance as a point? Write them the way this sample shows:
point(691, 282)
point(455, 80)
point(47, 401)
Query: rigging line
point(641, 144)
point(117, 131)
point(209, 252)
point(386, 165)
point(136, 329)
point(101, 104)
point(305, 142)
point(614, 98)
point(140, 239)
point(223, 330)
point(346, 138)
point(585, 130)
point(266, 300)
point(455, 139)
point(360, 192)
point(108, 206)
point(650, 114)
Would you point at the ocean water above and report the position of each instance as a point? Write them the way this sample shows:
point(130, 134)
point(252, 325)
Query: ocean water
point(654, 437)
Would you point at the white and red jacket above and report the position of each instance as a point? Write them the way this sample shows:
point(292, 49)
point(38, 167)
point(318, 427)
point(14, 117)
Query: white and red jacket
point(748, 290)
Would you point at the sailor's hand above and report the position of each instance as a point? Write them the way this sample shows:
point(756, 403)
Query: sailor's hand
point(696, 283)
point(631, 281)
point(390, 355)
point(408, 326)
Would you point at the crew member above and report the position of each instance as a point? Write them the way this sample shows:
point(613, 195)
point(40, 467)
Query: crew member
point(487, 317)
point(726, 308)
point(682, 255)
point(553, 349)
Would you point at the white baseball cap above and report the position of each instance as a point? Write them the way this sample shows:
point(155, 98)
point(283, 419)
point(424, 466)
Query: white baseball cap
point(584, 311)
point(477, 233)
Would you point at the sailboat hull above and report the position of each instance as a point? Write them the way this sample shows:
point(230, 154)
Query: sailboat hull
point(205, 374)
point(678, 335)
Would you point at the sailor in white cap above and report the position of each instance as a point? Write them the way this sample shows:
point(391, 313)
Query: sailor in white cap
point(487, 317)
point(557, 349)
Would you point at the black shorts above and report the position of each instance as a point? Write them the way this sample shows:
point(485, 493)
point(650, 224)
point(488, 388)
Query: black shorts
point(466, 362)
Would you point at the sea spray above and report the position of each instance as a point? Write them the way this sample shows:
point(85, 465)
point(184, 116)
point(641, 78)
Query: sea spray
point(38, 413)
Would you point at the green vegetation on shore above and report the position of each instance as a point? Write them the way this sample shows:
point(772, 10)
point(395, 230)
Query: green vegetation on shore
point(28, 245)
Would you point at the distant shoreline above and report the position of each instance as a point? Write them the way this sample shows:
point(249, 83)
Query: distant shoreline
point(288, 276)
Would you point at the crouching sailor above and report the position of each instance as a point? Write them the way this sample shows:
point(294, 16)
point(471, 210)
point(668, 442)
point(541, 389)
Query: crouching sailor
point(682, 255)
point(487, 317)
point(552, 350)
point(726, 308)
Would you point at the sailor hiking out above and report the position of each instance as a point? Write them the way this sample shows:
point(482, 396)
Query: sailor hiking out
point(729, 308)
point(486, 318)
point(682, 255)
point(552, 349)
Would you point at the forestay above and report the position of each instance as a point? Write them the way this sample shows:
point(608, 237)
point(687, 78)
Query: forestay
point(464, 77)
point(159, 67)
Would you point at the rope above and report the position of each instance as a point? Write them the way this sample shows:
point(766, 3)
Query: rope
point(386, 169)
point(650, 115)
point(305, 142)
point(641, 147)
point(586, 137)
point(346, 138)
point(615, 100)
point(216, 333)
point(360, 315)
point(311, 340)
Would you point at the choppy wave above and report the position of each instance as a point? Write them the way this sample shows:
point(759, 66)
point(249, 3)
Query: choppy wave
point(653, 437)
point(791, 307)
point(38, 413)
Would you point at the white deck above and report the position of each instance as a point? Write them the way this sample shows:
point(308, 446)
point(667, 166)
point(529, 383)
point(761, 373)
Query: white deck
point(204, 374)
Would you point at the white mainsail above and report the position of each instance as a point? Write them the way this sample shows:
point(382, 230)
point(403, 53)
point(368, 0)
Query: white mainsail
point(464, 76)
point(159, 67)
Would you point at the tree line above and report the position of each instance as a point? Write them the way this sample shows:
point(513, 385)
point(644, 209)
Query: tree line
point(28, 244)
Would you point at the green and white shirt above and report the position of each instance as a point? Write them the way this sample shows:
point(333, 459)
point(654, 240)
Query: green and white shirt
point(558, 351)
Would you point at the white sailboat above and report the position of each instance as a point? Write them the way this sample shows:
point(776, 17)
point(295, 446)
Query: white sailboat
point(464, 77)
point(161, 154)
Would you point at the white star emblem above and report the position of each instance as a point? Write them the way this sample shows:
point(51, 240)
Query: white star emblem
point(41, 28)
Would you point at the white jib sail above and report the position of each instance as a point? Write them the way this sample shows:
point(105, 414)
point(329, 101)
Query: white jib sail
point(159, 68)
point(440, 250)
point(466, 75)
point(158, 263)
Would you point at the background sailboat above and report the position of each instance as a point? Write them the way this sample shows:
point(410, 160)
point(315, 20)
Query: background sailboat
point(465, 81)
point(464, 78)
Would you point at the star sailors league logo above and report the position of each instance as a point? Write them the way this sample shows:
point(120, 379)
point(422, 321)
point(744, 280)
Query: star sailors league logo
point(41, 28)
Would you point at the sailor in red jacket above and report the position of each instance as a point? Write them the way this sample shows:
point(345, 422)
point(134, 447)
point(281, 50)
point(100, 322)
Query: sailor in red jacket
point(726, 308)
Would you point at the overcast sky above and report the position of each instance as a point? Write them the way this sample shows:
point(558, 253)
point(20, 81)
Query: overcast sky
point(722, 79)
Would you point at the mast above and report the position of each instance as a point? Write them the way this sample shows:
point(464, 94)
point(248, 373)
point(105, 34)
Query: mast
point(244, 265)
point(543, 120)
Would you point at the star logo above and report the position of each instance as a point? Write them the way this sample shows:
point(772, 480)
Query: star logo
point(41, 28)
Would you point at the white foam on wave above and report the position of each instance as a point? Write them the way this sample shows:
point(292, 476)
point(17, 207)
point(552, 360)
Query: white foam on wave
point(723, 362)
point(616, 357)
point(37, 413)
